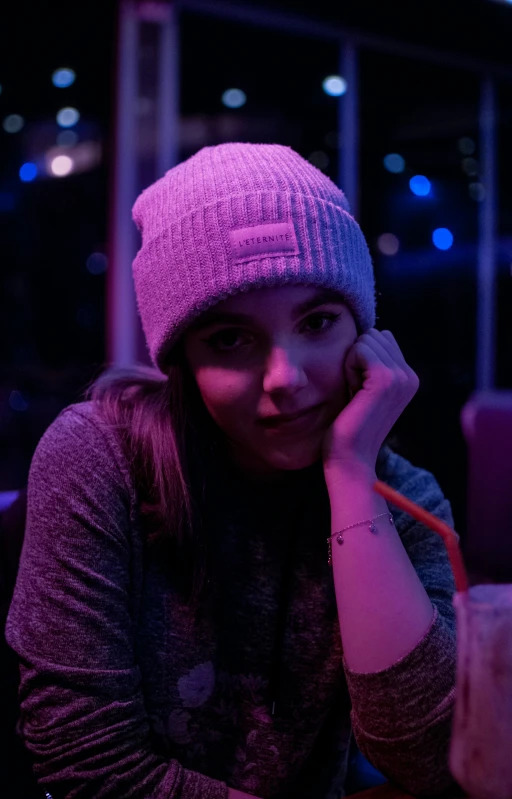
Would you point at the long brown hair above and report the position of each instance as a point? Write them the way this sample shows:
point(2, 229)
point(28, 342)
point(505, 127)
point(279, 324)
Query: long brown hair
point(174, 449)
point(171, 443)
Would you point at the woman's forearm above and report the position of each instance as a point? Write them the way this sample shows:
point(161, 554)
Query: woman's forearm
point(383, 608)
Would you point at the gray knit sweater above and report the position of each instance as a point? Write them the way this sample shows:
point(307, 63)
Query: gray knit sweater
point(123, 694)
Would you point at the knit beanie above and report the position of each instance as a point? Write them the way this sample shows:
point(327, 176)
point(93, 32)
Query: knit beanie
point(236, 217)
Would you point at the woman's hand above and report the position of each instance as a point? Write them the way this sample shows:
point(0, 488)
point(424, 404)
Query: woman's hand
point(381, 385)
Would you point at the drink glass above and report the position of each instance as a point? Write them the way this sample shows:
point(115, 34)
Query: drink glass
point(481, 741)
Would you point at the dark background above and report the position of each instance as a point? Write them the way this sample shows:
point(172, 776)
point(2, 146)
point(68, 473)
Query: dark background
point(53, 308)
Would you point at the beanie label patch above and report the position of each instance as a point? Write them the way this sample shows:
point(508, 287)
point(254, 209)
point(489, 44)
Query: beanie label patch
point(260, 241)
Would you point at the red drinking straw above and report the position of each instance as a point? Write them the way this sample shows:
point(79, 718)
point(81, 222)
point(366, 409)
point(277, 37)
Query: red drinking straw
point(449, 536)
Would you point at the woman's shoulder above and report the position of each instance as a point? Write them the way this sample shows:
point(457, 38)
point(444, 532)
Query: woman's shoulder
point(80, 440)
point(81, 421)
point(414, 482)
point(396, 470)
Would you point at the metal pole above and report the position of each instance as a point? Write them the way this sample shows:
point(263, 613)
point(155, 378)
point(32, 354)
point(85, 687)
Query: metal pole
point(168, 93)
point(348, 132)
point(121, 304)
point(486, 279)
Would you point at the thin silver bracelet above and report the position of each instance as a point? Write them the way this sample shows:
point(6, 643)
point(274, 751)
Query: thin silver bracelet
point(339, 534)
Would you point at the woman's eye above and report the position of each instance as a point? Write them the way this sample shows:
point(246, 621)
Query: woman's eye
point(234, 332)
point(222, 335)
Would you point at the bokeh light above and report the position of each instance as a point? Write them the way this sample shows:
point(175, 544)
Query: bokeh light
point(234, 98)
point(28, 172)
point(476, 191)
point(466, 146)
point(67, 117)
point(334, 85)
point(394, 162)
point(420, 185)
point(97, 263)
point(13, 123)
point(442, 238)
point(61, 165)
point(84, 156)
point(470, 166)
point(67, 138)
point(319, 158)
point(18, 401)
point(388, 244)
point(333, 139)
point(63, 77)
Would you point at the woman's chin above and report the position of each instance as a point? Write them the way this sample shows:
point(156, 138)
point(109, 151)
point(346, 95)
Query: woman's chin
point(293, 458)
point(274, 460)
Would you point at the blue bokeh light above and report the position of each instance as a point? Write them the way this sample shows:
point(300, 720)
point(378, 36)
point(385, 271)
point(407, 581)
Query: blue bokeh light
point(97, 263)
point(420, 185)
point(394, 162)
point(13, 123)
point(442, 238)
point(234, 98)
point(62, 78)
point(18, 401)
point(28, 172)
point(67, 117)
point(335, 86)
point(67, 138)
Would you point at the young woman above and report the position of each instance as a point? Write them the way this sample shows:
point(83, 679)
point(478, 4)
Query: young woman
point(212, 600)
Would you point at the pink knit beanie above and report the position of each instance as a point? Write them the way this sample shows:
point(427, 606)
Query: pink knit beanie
point(241, 216)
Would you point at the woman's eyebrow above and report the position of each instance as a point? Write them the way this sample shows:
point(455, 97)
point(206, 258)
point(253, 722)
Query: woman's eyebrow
point(319, 298)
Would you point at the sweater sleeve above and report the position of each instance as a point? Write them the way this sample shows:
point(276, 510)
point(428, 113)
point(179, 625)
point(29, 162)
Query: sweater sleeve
point(82, 712)
point(402, 715)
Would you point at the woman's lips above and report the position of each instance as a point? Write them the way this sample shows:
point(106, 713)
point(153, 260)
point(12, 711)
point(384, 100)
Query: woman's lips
point(299, 424)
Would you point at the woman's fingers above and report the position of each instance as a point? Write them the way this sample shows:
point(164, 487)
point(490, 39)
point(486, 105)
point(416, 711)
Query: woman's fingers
point(388, 341)
point(381, 347)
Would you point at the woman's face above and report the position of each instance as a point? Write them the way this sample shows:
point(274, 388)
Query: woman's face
point(278, 359)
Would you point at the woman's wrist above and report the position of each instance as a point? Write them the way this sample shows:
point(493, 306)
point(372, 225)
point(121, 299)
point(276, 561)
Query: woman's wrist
point(349, 471)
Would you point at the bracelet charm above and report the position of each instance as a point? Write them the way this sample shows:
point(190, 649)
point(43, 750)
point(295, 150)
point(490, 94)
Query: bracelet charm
point(339, 535)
